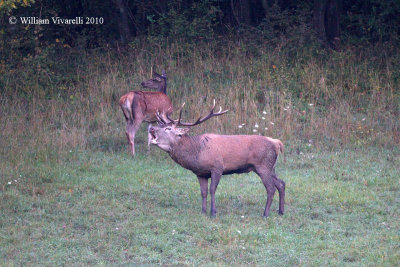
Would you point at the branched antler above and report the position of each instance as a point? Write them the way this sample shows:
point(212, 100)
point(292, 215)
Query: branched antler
point(200, 119)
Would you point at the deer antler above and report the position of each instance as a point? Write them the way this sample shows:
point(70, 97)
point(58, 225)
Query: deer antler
point(200, 119)
point(160, 118)
point(180, 115)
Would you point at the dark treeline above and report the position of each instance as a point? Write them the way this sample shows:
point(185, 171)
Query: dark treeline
point(118, 22)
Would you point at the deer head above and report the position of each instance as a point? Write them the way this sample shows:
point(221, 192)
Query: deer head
point(166, 134)
point(158, 82)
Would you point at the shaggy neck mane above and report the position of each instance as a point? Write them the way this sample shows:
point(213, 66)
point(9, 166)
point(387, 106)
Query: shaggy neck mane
point(188, 147)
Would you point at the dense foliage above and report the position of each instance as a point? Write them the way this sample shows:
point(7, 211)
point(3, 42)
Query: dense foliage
point(122, 21)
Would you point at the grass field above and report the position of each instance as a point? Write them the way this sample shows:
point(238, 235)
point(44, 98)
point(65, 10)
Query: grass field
point(71, 195)
point(105, 208)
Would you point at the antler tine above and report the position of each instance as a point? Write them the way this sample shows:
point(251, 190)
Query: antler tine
point(200, 119)
point(180, 115)
point(159, 118)
point(170, 119)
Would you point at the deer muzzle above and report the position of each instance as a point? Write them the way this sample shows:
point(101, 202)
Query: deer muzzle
point(152, 136)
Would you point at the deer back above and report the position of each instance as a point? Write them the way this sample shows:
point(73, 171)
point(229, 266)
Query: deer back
point(145, 104)
point(227, 153)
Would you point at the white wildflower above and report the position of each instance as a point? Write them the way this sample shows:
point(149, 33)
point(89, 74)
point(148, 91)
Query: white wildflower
point(266, 128)
point(9, 182)
point(263, 118)
point(363, 119)
point(240, 126)
point(272, 123)
point(311, 104)
point(264, 112)
point(256, 125)
point(254, 130)
point(239, 232)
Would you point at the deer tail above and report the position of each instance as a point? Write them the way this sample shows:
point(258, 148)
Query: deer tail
point(280, 144)
point(277, 144)
point(278, 147)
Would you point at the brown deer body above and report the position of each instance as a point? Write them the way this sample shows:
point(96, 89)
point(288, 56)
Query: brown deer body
point(139, 106)
point(212, 155)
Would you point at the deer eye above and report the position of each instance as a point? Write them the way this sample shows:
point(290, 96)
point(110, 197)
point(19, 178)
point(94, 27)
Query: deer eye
point(168, 129)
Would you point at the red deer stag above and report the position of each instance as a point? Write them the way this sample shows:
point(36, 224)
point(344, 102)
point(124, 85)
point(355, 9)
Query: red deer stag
point(211, 156)
point(139, 106)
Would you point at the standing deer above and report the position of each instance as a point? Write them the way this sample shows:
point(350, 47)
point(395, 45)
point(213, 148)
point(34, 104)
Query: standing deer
point(139, 106)
point(211, 156)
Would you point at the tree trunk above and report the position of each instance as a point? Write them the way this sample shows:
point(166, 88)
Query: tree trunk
point(241, 11)
point(326, 21)
point(332, 27)
point(123, 23)
point(319, 19)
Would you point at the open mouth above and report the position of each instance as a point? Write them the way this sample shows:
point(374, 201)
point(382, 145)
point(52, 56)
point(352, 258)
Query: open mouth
point(152, 133)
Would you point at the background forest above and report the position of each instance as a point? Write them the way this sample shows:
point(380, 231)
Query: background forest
point(324, 71)
point(322, 76)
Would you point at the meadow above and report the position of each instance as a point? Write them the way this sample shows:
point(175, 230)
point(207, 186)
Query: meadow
point(71, 194)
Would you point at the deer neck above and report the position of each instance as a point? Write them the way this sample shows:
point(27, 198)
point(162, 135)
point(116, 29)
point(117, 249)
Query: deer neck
point(186, 151)
point(164, 88)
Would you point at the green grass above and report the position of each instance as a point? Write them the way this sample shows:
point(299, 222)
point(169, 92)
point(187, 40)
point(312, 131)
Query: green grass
point(70, 195)
point(105, 208)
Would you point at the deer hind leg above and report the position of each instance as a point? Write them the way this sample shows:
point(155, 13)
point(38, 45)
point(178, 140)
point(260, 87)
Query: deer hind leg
point(131, 129)
point(280, 185)
point(148, 139)
point(204, 191)
point(268, 181)
point(136, 119)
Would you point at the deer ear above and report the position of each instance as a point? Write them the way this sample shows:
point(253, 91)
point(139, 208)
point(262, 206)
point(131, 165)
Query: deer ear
point(163, 74)
point(181, 131)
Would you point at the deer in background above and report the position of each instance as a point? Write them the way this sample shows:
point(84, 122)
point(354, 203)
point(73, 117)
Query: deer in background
point(211, 156)
point(139, 106)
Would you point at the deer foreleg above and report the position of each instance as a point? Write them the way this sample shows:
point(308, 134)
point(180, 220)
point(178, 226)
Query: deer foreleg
point(204, 191)
point(215, 178)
